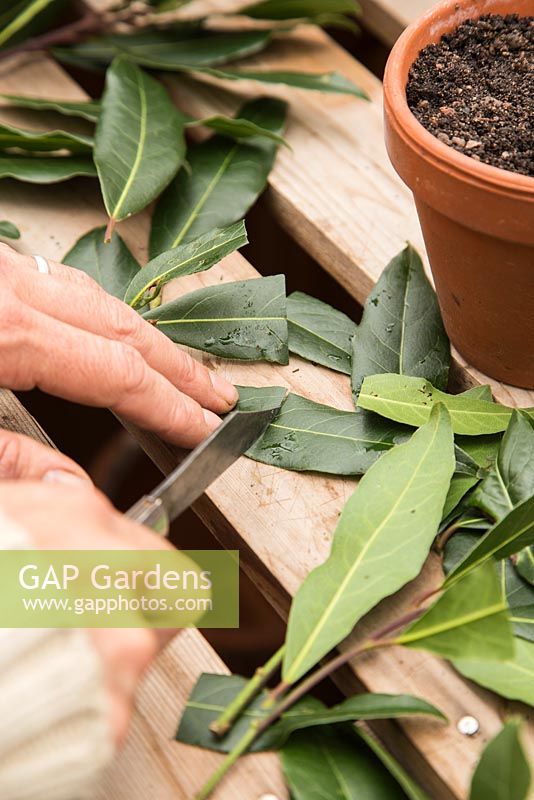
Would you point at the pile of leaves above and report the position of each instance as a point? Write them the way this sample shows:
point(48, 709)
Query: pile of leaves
point(453, 472)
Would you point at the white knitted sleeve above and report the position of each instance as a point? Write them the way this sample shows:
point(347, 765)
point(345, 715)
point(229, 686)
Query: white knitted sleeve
point(54, 731)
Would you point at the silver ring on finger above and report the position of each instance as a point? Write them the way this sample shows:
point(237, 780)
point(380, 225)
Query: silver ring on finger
point(42, 265)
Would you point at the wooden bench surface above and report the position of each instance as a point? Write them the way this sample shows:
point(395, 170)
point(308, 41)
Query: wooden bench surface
point(337, 195)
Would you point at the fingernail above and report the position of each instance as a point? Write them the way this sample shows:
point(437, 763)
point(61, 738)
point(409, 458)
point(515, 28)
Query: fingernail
point(65, 477)
point(224, 389)
point(212, 420)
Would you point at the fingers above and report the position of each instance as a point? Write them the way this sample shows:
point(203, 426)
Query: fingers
point(23, 458)
point(82, 367)
point(90, 308)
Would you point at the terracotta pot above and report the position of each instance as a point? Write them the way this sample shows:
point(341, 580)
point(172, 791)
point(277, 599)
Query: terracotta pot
point(477, 220)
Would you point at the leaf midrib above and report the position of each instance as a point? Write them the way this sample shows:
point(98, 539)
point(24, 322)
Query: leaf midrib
point(327, 611)
point(318, 336)
point(204, 198)
point(331, 435)
point(183, 264)
point(424, 408)
point(218, 319)
point(140, 147)
point(458, 622)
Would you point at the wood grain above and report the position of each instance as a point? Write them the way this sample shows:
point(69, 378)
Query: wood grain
point(337, 195)
point(152, 765)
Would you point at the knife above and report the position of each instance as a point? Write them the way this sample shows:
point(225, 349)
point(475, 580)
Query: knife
point(200, 468)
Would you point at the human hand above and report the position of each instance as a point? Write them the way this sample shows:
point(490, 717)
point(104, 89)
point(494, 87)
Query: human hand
point(65, 335)
point(77, 516)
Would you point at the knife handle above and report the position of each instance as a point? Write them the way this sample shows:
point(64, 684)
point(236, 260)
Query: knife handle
point(150, 511)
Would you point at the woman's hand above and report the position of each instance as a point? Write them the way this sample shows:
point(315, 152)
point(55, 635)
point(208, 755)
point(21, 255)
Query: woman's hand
point(77, 516)
point(65, 335)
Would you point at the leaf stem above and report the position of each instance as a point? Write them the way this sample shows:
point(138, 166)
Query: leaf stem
point(374, 642)
point(224, 722)
point(216, 777)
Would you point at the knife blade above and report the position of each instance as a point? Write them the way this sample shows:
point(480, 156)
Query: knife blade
point(200, 468)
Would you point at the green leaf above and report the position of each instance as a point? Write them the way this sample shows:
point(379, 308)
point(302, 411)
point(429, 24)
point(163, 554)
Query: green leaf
point(23, 18)
point(469, 620)
point(111, 265)
point(395, 511)
point(511, 479)
point(139, 142)
point(511, 534)
point(328, 82)
point(411, 790)
point(525, 564)
point(322, 764)
point(503, 772)
point(482, 449)
point(260, 399)
point(89, 110)
point(180, 48)
point(244, 320)
point(401, 329)
point(51, 169)
point(479, 393)
point(43, 141)
point(309, 436)
point(299, 9)
point(520, 597)
point(513, 679)
point(410, 400)
point(319, 333)
point(224, 179)
point(213, 693)
point(235, 128)
point(8, 230)
point(195, 256)
point(460, 486)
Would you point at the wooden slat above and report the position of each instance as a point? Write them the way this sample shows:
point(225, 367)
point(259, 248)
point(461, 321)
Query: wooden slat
point(14, 417)
point(388, 18)
point(285, 519)
point(152, 765)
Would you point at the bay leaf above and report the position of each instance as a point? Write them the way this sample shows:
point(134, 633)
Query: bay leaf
point(479, 393)
point(8, 230)
point(236, 128)
point(298, 9)
point(171, 49)
point(525, 564)
point(111, 265)
point(410, 400)
point(252, 398)
point(520, 598)
point(460, 486)
point(511, 479)
point(45, 169)
point(469, 620)
point(411, 790)
point(243, 319)
point(513, 679)
point(503, 772)
point(88, 109)
point(224, 179)
point(179, 48)
point(197, 255)
point(395, 509)
point(319, 332)
point(401, 330)
point(509, 536)
point(213, 693)
point(43, 141)
point(309, 436)
point(323, 763)
point(139, 144)
point(326, 82)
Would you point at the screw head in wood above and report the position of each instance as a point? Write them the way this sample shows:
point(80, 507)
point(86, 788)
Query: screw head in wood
point(468, 726)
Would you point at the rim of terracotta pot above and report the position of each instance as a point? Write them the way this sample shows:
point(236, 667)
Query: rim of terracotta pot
point(444, 18)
